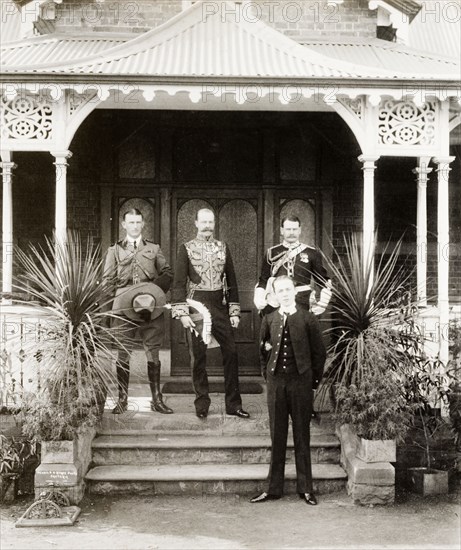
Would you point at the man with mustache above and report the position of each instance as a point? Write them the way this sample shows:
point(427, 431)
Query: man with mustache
point(205, 273)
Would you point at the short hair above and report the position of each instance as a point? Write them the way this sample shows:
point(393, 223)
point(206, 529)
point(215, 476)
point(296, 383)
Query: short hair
point(282, 278)
point(132, 212)
point(290, 219)
point(203, 210)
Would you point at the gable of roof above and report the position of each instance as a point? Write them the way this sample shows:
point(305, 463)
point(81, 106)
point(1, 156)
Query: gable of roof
point(191, 45)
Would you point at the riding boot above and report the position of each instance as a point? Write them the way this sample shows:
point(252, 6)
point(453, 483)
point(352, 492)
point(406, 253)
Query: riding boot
point(123, 378)
point(157, 404)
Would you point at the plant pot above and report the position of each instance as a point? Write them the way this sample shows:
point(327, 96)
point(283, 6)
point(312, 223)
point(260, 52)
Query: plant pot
point(428, 481)
point(379, 450)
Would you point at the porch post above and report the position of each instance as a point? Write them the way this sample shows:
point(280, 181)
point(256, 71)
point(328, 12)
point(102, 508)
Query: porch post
point(7, 226)
point(421, 171)
point(443, 252)
point(61, 192)
point(368, 238)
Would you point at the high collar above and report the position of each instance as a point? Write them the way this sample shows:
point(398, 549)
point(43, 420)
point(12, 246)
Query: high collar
point(204, 239)
point(290, 245)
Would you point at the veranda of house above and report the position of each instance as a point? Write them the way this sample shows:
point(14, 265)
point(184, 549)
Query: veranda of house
point(252, 108)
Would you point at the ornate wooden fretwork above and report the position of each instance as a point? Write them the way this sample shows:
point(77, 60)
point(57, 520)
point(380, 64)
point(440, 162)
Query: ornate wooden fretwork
point(26, 116)
point(356, 105)
point(406, 123)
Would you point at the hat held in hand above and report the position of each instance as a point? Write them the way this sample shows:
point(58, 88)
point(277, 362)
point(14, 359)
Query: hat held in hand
point(141, 302)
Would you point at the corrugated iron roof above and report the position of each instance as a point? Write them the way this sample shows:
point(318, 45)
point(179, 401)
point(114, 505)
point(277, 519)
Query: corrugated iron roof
point(191, 45)
point(437, 28)
point(387, 55)
point(55, 49)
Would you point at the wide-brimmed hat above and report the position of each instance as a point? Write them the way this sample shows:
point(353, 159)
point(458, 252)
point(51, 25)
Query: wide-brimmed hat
point(143, 301)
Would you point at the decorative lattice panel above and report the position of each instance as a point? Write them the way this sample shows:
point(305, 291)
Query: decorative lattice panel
point(405, 123)
point(355, 106)
point(26, 117)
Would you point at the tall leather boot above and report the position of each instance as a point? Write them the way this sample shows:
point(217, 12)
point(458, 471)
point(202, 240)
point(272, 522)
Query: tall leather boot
point(157, 404)
point(123, 379)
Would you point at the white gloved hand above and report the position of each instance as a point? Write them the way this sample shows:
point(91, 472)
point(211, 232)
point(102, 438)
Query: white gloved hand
point(320, 306)
point(259, 298)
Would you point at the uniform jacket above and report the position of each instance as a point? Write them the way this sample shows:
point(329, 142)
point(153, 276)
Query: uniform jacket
point(204, 266)
point(147, 263)
point(307, 264)
point(306, 339)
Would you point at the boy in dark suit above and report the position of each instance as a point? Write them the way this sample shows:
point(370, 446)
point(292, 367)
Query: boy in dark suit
point(292, 356)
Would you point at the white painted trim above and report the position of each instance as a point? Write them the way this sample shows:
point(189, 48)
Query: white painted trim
point(7, 226)
point(61, 192)
point(421, 171)
point(443, 241)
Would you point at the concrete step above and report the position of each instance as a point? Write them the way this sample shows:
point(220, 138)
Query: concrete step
point(167, 448)
point(203, 479)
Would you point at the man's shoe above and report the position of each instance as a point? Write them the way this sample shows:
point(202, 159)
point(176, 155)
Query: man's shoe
point(120, 407)
point(309, 498)
point(240, 413)
point(264, 497)
point(202, 414)
point(160, 407)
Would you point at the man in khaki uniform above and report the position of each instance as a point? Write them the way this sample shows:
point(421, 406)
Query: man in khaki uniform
point(132, 261)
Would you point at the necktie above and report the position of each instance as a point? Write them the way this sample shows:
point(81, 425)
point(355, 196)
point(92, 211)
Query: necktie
point(135, 246)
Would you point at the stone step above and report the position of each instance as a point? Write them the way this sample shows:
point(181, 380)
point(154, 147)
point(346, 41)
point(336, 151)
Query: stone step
point(140, 419)
point(166, 448)
point(203, 479)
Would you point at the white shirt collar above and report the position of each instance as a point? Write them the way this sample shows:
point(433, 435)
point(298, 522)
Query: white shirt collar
point(288, 311)
point(137, 241)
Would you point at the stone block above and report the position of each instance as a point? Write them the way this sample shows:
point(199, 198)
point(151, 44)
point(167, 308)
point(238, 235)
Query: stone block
point(329, 455)
point(59, 452)
point(370, 494)
point(376, 451)
point(256, 456)
point(223, 456)
point(378, 473)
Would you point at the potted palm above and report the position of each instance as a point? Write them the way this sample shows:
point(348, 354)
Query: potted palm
point(427, 388)
point(75, 351)
point(375, 409)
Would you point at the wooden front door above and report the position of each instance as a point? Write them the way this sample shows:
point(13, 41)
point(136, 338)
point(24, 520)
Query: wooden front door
point(239, 223)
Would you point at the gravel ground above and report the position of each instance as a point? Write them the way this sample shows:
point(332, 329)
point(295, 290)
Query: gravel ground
point(230, 522)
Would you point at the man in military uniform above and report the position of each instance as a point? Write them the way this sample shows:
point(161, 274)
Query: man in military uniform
point(299, 261)
point(132, 261)
point(205, 273)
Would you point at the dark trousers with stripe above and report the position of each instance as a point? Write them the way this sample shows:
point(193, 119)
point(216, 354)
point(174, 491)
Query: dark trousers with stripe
point(223, 332)
point(290, 396)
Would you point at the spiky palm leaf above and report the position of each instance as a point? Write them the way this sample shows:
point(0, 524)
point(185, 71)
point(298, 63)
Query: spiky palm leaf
point(368, 301)
point(76, 343)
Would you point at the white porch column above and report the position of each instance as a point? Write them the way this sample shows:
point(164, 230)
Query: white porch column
point(422, 171)
point(61, 191)
point(368, 238)
point(7, 227)
point(443, 251)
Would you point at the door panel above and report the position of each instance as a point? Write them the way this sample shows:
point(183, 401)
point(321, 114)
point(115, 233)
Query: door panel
point(238, 224)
